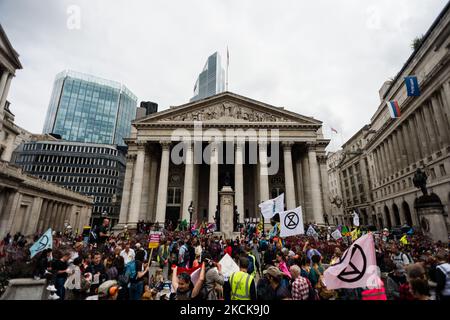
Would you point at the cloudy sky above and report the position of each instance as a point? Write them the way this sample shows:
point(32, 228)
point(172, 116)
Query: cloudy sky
point(323, 58)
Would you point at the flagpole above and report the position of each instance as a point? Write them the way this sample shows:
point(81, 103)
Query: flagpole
point(228, 63)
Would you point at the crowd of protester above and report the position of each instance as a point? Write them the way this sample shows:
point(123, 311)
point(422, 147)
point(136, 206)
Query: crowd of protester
point(103, 265)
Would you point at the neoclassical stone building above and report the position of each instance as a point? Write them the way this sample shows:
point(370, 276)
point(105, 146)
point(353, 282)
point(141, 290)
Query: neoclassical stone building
point(259, 149)
point(376, 166)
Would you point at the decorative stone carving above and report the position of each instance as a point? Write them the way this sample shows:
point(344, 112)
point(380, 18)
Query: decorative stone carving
point(227, 110)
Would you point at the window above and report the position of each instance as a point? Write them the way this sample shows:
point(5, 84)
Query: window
point(433, 173)
point(174, 196)
point(442, 169)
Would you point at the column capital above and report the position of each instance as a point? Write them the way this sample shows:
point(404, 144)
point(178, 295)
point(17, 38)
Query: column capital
point(165, 144)
point(141, 144)
point(131, 156)
point(311, 146)
point(287, 145)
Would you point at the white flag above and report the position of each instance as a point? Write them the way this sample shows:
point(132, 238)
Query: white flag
point(44, 242)
point(355, 219)
point(336, 234)
point(291, 223)
point(270, 207)
point(356, 268)
point(311, 232)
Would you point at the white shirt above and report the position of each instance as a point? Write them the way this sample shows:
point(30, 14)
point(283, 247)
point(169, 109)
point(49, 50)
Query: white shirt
point(127, 257)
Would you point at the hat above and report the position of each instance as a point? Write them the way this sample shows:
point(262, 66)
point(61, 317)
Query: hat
point(274, 272)
point(103, 290)
point(385, 229)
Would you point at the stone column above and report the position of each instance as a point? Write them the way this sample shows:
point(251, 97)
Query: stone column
point(239, 180)
point(365, 179)
point(392, 157)
point(406, 146)
point(289, 175)
point(163, 181)
point(153, 185)
point(423, 139)
point(188, 190)
point(307, 210)
point(48, 215)
point(263, 172)
point(412, 137)
point(316, 194)
point(299, 186)
point(4, 94)
point(445, 93)
point(3, 80)
point(136, 190)
point(213, 181)
point(385, 162)
point(442, 125)
point(126, 194)
point(42, 215)
point(401, 156)
point(431, 127)
point(325, 188)
point(378, 164)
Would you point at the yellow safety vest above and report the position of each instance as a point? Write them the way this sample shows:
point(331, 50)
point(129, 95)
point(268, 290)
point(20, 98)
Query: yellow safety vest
point(240, 283)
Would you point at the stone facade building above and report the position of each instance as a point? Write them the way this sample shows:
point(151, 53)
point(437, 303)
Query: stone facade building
point(386, 153)
point(27, 204)
point(265, 151)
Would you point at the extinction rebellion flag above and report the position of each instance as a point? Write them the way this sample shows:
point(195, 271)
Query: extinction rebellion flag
point(291, 223)
point(356, 268)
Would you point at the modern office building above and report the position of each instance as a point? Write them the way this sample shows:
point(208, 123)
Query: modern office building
point(211, 80)
point(85, 108)
point(91, 169)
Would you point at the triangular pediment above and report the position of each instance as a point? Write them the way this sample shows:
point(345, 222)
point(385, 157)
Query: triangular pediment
point(8, 51)
point(228, 108)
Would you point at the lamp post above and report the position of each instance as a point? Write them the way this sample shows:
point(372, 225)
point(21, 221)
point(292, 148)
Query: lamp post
point(191, 210)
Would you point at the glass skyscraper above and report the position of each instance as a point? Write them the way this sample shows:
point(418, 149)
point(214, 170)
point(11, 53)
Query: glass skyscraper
point(211, 80)
point(85, 108)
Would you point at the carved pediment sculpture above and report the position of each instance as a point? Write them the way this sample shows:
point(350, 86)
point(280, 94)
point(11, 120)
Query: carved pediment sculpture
point(226, 110)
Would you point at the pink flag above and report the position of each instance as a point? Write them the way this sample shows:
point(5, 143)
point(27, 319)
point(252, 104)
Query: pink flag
point(357, 267)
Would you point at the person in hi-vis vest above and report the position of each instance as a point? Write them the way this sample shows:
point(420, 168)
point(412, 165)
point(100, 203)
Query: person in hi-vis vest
point(242, 284)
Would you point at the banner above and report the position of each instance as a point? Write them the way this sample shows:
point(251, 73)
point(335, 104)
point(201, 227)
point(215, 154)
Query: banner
point(412, 86)
point(155, 237)
point(356, 268)
point(228, 266)
point(44, 242)
point(355, 219)
point(270, 207)
point(336, 234)
point(311, 232)
point(291, 223)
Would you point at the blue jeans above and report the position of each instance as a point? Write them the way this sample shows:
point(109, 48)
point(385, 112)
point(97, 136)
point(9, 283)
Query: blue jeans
point(136, 290)
point(59, 285)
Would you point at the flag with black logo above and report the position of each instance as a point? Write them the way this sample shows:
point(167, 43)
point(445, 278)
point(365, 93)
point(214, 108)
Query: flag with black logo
point(291, 223)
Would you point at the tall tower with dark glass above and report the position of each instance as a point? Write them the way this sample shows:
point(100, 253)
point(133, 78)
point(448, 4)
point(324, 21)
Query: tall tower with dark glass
point(85, 108)
point(211, 80)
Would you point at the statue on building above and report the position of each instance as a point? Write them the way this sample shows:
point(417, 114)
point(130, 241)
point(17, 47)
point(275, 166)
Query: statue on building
point(420, 181)
point(227, 179)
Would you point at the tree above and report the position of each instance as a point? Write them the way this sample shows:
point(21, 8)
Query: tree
point(417, 42)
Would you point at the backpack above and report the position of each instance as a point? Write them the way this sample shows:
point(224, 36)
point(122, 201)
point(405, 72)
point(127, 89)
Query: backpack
point(130, 270)
point(263, 246)
point(411, 261)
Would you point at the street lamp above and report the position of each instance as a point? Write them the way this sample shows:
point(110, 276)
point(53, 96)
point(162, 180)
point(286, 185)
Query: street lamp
point(191, 210)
